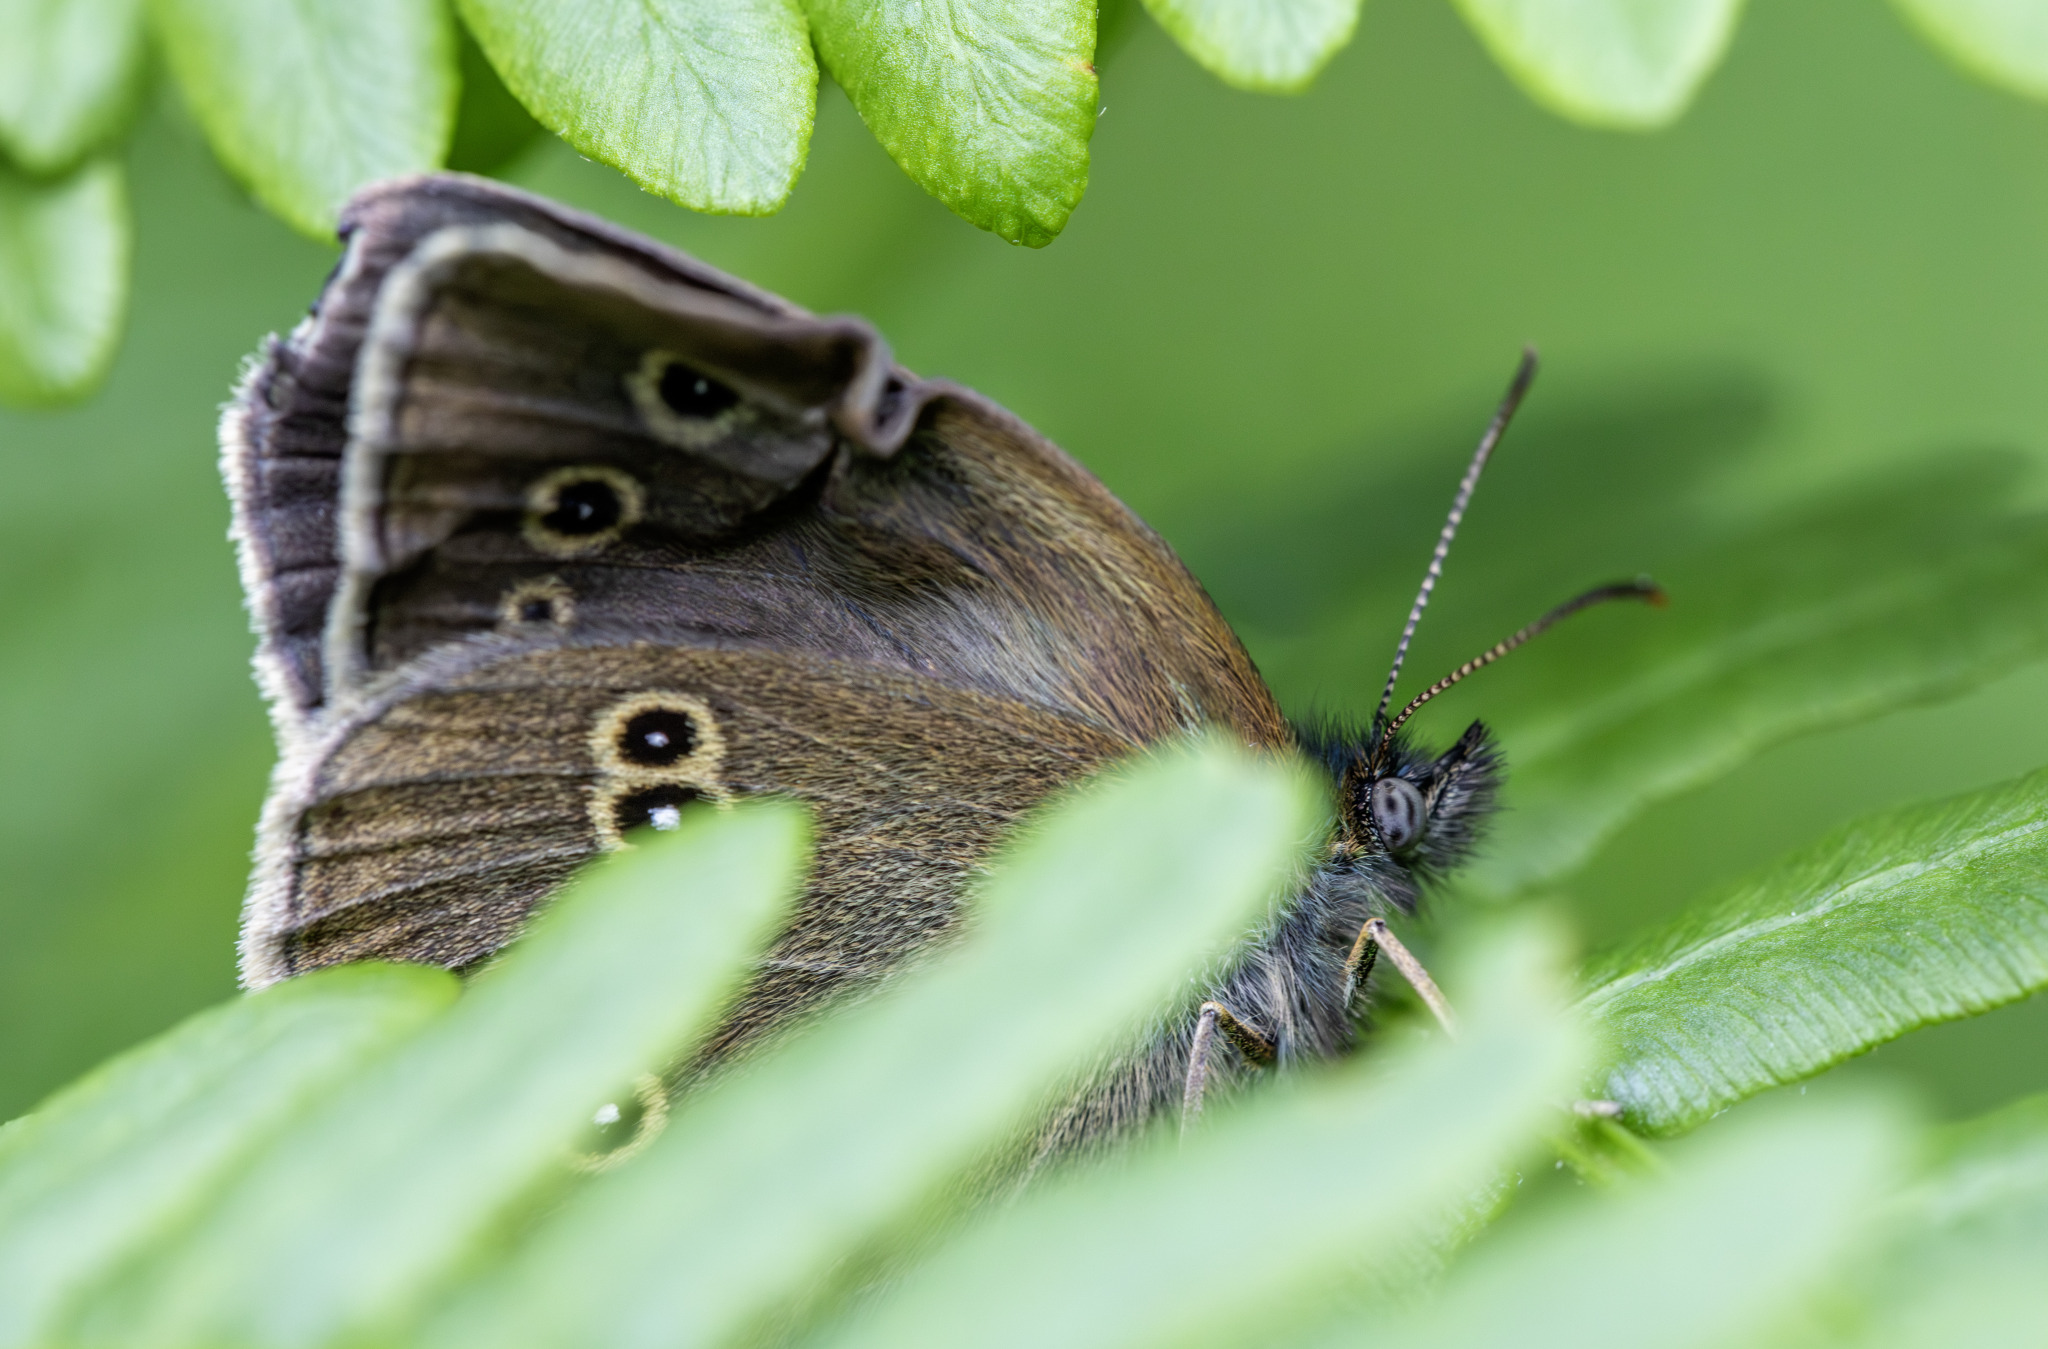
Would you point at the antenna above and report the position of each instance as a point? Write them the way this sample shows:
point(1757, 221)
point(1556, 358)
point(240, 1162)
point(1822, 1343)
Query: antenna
point(1524, 373)
point(1642, 588)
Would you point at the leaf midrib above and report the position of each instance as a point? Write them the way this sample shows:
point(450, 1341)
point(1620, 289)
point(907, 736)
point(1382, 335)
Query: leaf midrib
point(1888, 878)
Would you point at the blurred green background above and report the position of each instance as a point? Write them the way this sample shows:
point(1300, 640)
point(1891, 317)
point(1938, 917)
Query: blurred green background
point(1274, 327)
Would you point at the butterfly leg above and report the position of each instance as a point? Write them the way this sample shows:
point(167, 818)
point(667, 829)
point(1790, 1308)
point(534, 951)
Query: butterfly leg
point(1215, 1017)
point(1375, 937)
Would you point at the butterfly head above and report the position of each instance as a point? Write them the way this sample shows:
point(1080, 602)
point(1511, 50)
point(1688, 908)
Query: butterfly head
point(1399, 800)
point(1402, 802)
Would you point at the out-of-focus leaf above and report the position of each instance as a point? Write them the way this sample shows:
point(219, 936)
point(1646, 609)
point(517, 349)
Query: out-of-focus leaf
point(1276, 46)
point(1088, 925)
point(108, 1163)
point(64, 249)
point(307, 101)
point(68, 76)
point(706, 102)
point(988, 106)
point(2004, 42)
point(492, 128)
point(1228, 1233)
point(338, 1226)
point(1883, 599)
point(1603, 1153)
point(1965, 1246)
point(1711, 1254)
point(1618, 63)
point(1899, 921)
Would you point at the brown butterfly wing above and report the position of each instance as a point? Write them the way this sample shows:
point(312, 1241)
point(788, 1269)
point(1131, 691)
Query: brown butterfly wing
point(430, 821)
point(562, 442)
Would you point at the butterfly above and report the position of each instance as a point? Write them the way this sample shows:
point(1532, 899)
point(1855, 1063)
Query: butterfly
point(549, 531)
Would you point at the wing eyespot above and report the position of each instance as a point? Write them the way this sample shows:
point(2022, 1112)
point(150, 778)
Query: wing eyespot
point(620, 1129)
point(575, 511)
point(658, 737)
point(682, 404)
point(659, 807)
point(655, 754)
point(689, 392)
point(542, 602)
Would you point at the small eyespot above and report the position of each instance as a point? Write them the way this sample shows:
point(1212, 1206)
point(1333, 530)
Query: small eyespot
point(658, 737)
point(537, 603)
point(689, 392)
point(573, 511)
point(624, 1125)
point(659, 807)
point(1398, 813)
point(682, 404)
point(587, 506)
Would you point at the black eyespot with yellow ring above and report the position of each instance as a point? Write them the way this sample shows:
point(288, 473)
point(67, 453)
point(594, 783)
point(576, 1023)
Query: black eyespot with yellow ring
point(576, 511)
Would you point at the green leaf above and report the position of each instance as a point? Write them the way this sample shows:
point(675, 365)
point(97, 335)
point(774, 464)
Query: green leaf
point(706, 102)
point(1619, 63)
point(1232, 1231)
point(987, 105)
point(1274, 46)
point(1713, 1253)
point(1899, 921)
point(2003, 42)
point(64, 249)
point(1965, 1245)
point(1914, 591)
point(109, 1163)
point(336, 1228)
point(492, 128)
point(1087, 925)
point(309, 100)
point(69, 74)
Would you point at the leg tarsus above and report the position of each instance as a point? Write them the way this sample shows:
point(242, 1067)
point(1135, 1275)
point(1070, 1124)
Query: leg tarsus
point(1375, 937)
point(1215, 1017)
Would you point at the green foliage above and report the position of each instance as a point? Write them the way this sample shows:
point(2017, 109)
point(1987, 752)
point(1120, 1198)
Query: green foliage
point(68, 76)
point(348, 1159)
point(1620, 63)
point(2002, 41)
point(1901, 592)
point(111, 1165)
point(1246, 1225)
point(1833, 271)
point(764, 1181)
point(308, 101)
point(1913, 917)
point(1959, 1253)
point(619, 975)
point(1711, 1252)
point(705, 102)
point(492, 128)
point(1274, 46)
point(988, 107)
point(64, 246)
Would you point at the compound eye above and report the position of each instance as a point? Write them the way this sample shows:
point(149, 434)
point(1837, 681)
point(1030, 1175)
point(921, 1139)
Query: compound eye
point(1398, 813)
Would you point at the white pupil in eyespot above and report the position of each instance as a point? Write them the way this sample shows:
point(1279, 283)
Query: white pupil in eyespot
point(657, 739)
point(608, 1113)
point(665, 817)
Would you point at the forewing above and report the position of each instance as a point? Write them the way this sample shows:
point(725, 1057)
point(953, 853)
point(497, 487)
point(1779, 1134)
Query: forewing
point(507, 419)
